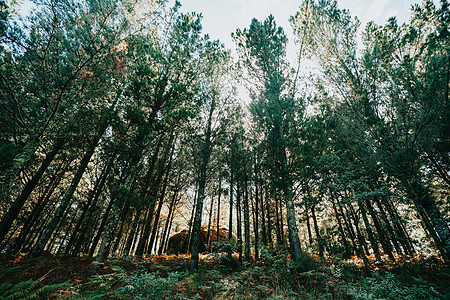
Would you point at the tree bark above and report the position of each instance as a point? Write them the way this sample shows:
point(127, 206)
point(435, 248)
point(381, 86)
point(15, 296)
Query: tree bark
point(246, 223)
point(43, 240)
point(101, 227)
point(426, 206)
point(16, 207)
point(205, 156)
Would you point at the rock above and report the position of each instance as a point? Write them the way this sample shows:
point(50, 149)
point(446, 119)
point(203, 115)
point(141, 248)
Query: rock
point(178, 243)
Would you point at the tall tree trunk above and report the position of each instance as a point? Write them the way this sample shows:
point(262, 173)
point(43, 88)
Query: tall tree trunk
point(256, 220)
point(317, 231)
point(230, 217)
point(382, 234)
point(277, 220)
point(168, 231)
point(349, 227)
point(370, 235)
point(31, 241)
point(121, 220)
point(155, 224)
point(92, 201)
point(169, 217)
point(353, 216)
point(188, 241)
point(269, 221)
point(400, 229)
point(239, 220)
point(437, 226)
point(163, 192)
point(100, 228)
point(308, 224)
point(205, 154)
point(208, 232)
point(294, 241)
point(34, 217)
point(133, 231)
point(16, 207)
point(316, 227)
point(93, 206)
point(111, 226)
point(361, 243)
point(347, 252)
point(263, 216)
point(43, 240)
point(246, 223)
point(218, 210)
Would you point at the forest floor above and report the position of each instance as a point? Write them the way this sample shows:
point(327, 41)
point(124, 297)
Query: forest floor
point(271, 277)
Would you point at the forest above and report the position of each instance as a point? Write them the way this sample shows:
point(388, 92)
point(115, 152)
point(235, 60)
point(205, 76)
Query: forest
point(131, 167)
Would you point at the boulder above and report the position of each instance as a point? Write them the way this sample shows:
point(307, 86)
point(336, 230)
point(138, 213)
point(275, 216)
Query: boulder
point(178, 243)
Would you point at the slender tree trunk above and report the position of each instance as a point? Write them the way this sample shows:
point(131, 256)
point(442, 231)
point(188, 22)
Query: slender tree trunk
point(55, 234)
point(400, 229)
point(92, 201)
point(111, 226)
point(308, 225)
point(169, 218)
point(43, 240)
point(133, 231)
point(121, 220)
point(230, 218)
point(361, 243)
point(239, 221)
point(34, 217)
point(316, 227)
point(269, 222)
point(155, 225)
point(277, 220)
point(188, 241)
point(168, 231)
point(101, 227)
point(31, 241)
point(205, 156)
point(218, 210)
point(246, 223)
point(256, 221)
point(16, 207)
point(294, 240)
point(87, 219)
point(263, 216)
point(437, 226)
point(370, 235)
point(381, 233)
point(349, 227)
point(317, 231)
point(208, 233)
point(386, 227)
point(347, 252)
point(163, 193)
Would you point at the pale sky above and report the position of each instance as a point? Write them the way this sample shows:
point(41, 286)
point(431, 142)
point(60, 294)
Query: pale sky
point(222, 17)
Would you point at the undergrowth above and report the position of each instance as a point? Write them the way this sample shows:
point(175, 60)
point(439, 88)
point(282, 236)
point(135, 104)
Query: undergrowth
point(274, 276)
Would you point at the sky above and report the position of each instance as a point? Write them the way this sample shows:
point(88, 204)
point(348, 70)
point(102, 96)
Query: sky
point(222, 17)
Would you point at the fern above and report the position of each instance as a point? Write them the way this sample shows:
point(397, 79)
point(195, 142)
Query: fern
point(26, 290)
